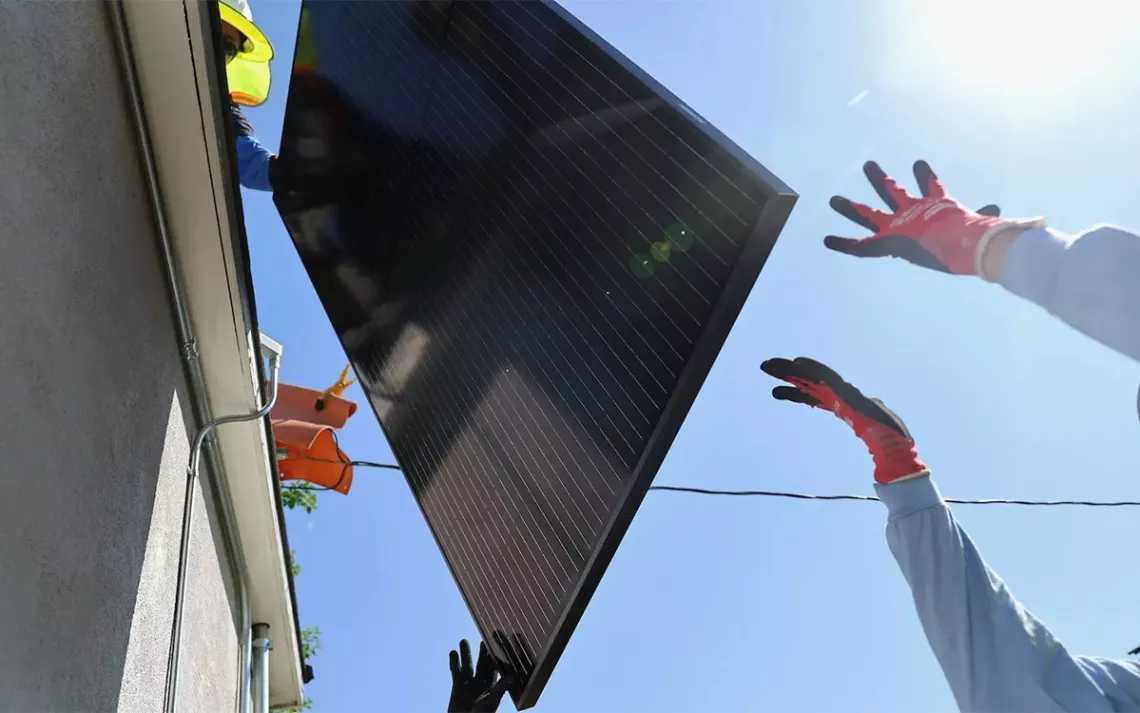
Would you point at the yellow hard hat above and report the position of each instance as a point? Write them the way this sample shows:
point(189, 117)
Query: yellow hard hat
point(236, 13)
point(247, 73)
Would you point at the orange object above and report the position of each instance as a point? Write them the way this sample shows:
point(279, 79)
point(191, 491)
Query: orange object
point(337, 389)
point(305, 435)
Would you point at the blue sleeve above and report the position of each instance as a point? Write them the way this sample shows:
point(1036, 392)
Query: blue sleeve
point(253, 164)
point(252, 157)
point(995, 655)
point(1090, 281)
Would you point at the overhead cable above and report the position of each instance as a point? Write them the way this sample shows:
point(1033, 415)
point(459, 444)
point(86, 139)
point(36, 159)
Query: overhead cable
point(781, 494)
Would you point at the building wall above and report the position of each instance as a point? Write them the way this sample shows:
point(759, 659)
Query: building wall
point(95, 417)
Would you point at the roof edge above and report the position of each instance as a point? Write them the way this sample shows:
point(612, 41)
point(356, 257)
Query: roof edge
point(216, 80)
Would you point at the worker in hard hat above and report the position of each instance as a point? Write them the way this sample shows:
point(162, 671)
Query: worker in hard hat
point(247, 54)
point(1090, 280)
point(995, 655)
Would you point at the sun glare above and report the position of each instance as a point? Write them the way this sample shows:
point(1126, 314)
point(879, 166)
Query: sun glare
point(1027, 48)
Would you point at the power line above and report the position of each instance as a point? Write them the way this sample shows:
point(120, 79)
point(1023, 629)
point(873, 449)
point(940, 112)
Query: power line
point(765, 493)
point(872, 498)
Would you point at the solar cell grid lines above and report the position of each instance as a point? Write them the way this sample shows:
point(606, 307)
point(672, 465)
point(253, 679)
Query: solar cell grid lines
point(532, 254)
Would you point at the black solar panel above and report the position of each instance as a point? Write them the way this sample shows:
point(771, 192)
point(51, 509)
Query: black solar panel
point(532, 254)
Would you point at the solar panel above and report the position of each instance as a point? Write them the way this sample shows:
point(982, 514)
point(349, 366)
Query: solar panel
point(532, 254)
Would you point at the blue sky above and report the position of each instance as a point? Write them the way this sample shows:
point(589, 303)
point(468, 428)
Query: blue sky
point(752, 604)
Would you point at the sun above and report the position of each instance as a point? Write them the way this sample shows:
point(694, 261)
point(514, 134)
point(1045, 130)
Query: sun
point(1026, 49)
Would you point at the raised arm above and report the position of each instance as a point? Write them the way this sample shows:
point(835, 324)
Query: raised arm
point(1090, 281)
point(255, 162)
point(995, 655)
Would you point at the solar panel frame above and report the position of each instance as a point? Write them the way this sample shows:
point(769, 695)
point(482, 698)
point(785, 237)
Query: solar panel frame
point(779, 200)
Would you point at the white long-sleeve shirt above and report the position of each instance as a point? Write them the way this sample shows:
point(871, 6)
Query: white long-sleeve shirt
point(1091, 281)
point(995, 655)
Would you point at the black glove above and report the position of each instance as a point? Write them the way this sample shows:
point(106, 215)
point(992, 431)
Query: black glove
point(275, 172)
point(477, 690)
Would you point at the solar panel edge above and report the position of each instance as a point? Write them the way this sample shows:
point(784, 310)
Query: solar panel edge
point(285, 124)
point(761, 241)
point(774, 185)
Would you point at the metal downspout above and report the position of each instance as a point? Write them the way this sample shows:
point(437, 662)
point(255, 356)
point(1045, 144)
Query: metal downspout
point(198, 396)
point(259, 673)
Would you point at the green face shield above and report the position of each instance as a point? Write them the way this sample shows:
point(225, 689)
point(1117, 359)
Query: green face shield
point(248, 79)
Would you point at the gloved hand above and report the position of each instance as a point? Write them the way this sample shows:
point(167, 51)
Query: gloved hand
point(886, 436)
point(933, 231)
point(478, 690)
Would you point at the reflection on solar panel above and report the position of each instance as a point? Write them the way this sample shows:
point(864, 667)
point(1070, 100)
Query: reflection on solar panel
point(532, 254)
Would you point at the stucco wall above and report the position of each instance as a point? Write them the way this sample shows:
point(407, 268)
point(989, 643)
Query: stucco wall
point(94, 417)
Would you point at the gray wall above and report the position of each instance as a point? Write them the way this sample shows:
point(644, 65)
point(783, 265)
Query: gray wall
point(93, 410)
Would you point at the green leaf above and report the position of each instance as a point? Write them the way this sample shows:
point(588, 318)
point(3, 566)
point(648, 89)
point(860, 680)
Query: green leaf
point(310, 641)
point(301, 495)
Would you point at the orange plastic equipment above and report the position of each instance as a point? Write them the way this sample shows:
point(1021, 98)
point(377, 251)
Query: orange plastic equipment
point(306, 436)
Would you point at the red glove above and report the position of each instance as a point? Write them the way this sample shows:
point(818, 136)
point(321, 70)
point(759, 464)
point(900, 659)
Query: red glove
point(933, 231)
point(885, 434)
